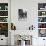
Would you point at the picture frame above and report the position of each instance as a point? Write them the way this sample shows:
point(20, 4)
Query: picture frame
point(22, 14)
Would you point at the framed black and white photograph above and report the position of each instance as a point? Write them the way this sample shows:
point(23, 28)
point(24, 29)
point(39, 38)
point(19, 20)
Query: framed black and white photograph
point(22, 14)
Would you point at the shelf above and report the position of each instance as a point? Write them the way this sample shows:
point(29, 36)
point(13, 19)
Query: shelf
point(41, 28)
point(3, 22)
point(3, 10)
point(3, 16)
point(42, 16)
point(41, 22)
point(41, 10)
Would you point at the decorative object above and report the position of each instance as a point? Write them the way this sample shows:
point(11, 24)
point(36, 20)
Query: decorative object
point(31, 27)
point(43, 13)
point(22, 43)
point(41, 19)
point(42, 32)
point(3, 13)
point(41, 6)
point(3, 6)
point(4, 29)
point(6, 7)
point(13, 27)
point(0, 7)
point(42, 25)
point(3, 19)
point(26, 38)
point(23, 40)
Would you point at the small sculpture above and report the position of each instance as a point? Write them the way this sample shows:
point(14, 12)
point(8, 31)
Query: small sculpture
point(31, 27)
point(13, 27)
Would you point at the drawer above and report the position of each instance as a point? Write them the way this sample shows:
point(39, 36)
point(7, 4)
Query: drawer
point(3, 41)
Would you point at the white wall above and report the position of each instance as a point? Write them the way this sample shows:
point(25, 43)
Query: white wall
point(31, 7)
point(32, 13)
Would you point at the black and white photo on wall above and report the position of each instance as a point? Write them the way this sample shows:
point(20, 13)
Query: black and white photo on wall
point(22, 14)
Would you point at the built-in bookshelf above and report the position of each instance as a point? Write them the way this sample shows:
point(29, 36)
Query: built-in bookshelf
point(42, 19)
point(4, 19)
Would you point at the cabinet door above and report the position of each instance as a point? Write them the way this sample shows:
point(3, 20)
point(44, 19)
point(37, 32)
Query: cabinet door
point(41, 41)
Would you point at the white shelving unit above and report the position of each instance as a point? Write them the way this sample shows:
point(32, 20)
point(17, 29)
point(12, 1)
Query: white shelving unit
point(4, 23)
point(42, 18)
point(4, 16)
